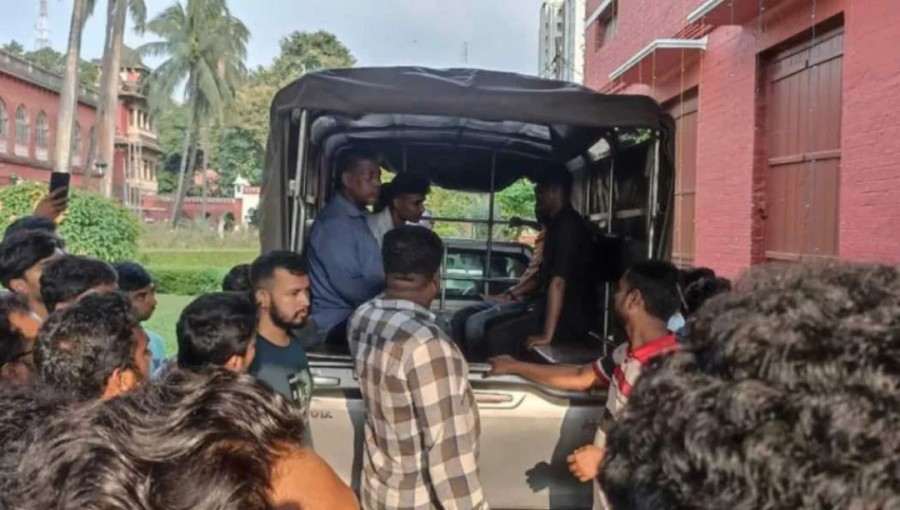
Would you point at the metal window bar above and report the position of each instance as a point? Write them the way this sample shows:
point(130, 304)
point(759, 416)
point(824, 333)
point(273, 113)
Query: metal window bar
point(652, 206)
point(490, 236)
point(298, 218)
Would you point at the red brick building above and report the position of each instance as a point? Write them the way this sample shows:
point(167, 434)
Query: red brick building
point(788, 114)
point(29, 98)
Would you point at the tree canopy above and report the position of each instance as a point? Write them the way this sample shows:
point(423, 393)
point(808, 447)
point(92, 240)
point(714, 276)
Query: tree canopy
point(55, 62)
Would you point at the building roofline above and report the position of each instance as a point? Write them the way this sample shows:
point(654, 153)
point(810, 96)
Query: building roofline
point(38, 76)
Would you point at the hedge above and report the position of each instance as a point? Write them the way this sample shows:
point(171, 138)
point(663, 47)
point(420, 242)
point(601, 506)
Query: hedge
point(92, 225)
point(187, 281)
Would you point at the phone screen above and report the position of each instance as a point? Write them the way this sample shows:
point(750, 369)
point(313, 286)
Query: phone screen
point(59, 180)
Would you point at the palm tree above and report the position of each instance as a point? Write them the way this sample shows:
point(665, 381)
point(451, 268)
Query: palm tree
point(65, 119)
point(205, 47)
point(116, 15)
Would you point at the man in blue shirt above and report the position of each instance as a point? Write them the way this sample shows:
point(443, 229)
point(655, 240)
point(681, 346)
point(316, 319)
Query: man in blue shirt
point(345, 265)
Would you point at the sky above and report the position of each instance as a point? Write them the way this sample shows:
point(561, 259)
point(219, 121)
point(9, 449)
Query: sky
point(499, 34)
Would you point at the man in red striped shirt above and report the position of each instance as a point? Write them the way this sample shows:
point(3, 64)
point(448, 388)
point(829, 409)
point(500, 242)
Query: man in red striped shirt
point(645, 300)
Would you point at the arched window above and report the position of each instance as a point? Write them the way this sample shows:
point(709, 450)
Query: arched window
point(21, 125)
point(43, 130)
point(4, 119)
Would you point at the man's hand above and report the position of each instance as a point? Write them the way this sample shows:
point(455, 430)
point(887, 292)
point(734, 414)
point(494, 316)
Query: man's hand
point(537, 341)
point(52, 205)
point(502, 365)
point(584, 463)
point(497, 298)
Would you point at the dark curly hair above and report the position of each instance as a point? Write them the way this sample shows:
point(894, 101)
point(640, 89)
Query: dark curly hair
point(785, 396)
point(22, 250)
point(80, 347)
point(238, 279)
point(12, 343)
point(24, 410)
point(70, 276)
point(215, 327)
point(195, 440)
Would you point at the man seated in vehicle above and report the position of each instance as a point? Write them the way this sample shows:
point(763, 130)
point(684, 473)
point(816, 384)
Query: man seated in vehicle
point(18, 331)
point(218, 329)
point(469, 323)
point(401, 202)
point(70, 277)
point(210, 439)
point(23, 257)
point(345, 265)
point(561, 307)
point(645, 300)
point(281, 283)
point(237, 279)
point(93, 349)
point(422, 424)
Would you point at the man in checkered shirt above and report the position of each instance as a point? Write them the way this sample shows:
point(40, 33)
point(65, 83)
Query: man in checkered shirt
point(422, 427)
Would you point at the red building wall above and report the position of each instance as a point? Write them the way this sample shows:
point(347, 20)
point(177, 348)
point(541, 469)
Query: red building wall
point(158, 209)
point(15, 92)
point(731, 136)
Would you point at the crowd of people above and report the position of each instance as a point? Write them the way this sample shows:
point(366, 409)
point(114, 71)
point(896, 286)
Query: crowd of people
point(782, 392)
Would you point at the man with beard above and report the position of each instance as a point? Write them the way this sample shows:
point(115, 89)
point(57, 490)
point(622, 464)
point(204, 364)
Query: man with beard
point(280, 282)
point(645, 300)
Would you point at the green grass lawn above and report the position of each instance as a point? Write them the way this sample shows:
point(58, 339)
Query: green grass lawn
point(163, 321)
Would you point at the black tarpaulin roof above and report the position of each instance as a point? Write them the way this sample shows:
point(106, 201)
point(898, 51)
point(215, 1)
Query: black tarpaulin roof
point(447, 124)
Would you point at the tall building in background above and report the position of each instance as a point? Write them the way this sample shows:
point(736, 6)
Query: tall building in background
point(574, 24)
point(550, 46)
point(561, 46)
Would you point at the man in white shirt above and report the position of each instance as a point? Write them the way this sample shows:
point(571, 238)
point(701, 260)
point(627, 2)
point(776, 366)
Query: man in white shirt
point(401, 202)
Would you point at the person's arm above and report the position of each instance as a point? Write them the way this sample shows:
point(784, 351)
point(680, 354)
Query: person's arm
point(561, 377)
point(525, 286)
point(336, 251)
point(52, 205)
point(438, 383)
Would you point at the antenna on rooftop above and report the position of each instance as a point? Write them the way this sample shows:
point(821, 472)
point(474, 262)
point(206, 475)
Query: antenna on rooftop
point(42, 27)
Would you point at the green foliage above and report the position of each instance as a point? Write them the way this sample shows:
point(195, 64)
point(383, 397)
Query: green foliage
point(167, 180)
point(187, 281)
point(220, 258)
point(194, 237)
point(237, 154)
point(303, 52)
point(14, 47)
point(92, 225)
point(55, 62)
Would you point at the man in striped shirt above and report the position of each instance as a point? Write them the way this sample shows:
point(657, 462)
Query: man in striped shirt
point(422, 427)
point(645, 300)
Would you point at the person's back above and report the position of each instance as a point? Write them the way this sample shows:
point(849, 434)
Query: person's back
point(422, 425)
point(345, 266)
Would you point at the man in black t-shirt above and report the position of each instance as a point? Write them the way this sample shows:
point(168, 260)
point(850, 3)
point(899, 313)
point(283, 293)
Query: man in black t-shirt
point(281, 284)
point(560, 309)
point(564, 299)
